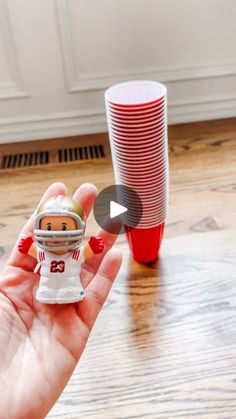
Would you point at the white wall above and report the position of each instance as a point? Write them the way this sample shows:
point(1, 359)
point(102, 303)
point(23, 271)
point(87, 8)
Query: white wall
point(58, 56)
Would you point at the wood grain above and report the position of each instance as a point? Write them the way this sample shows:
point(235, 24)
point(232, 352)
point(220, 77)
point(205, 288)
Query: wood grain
point(164, 346)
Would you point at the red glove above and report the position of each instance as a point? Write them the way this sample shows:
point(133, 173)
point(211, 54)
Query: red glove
point(25, 244)
point(96, 244)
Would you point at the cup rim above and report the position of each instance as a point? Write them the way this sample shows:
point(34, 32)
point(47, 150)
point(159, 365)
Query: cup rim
point(151, 146)
point(134, 117)
point(136, 162)
point(121, 169)
point(134, 97)
point(136, 127)
point(129, 152)
point(126, 141)
point(138, 132)
point(136, 109)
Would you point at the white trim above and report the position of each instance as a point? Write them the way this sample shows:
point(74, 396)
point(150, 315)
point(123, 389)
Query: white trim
point(15, 88)
point(79, 123)
point(95, 81)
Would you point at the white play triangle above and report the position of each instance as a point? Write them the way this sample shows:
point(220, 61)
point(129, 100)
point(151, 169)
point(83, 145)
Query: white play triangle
point(116, 209)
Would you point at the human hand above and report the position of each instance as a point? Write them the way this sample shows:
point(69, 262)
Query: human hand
point(40, 344)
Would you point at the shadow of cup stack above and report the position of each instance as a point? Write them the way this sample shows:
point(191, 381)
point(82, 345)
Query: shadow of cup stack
point(137, 125)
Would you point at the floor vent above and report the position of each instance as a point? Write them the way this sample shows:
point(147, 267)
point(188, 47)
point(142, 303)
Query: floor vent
point(13, 161)
point(81, 153)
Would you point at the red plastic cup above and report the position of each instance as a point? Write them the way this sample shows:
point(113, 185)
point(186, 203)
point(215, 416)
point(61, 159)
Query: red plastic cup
point(145, 243)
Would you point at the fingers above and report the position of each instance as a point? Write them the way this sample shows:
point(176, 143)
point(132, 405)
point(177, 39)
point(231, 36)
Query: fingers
point(85, 196)
point(98, 289)
point(57, 188)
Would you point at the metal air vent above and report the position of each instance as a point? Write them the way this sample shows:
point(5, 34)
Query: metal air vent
point(14, 161)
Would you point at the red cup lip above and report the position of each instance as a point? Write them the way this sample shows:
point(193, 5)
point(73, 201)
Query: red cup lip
point(149, 212)
point(137, 128)
point(137, 107)
point(158, 185)
point(145, 136)
point(136, 112)
point(149, 215)
point(143, 153)
point(148, 228)
point(154, 155)
point(135, 169)
point(159, 222)
point(137, 123)
point(148, 180)
point(147, 187)
point(152, 219)
point(151, 145)
point(138, 137)
point(151, 193)
point(139, 163)
point(157, 202)
point(159, 191)
point(148, 149)
point(149, 224)
point(154, 215)
point(156, 197)
point(131, 143)
point(152, 222)
point(152, 210)
point(138, 132)
point(134, 117)
point(135, 93)
point(137, 176)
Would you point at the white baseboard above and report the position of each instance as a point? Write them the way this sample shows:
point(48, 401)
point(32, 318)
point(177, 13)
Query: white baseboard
point(78, 123)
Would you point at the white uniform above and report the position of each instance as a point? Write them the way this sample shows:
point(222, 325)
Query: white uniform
point(60, 276)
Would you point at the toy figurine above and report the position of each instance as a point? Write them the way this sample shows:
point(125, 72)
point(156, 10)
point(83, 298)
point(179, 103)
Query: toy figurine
point(59, 230)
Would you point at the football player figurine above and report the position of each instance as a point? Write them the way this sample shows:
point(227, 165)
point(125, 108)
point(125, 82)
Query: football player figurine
point(58, 232)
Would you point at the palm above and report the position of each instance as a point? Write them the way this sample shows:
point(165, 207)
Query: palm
point(40, 343)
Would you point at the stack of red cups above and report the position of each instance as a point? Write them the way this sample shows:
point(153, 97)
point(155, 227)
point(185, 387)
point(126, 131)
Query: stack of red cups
point(137, 125)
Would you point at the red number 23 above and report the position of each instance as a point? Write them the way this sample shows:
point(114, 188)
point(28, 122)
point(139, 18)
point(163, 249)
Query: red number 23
point(57, 266)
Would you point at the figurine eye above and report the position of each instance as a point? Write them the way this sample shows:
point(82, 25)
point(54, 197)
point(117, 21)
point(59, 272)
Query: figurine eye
point(63, 227)
point(49, 227)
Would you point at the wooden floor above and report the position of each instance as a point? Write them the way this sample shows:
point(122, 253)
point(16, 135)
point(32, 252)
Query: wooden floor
point(164, 345)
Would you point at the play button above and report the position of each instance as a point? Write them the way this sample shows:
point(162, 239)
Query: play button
point(117, 207)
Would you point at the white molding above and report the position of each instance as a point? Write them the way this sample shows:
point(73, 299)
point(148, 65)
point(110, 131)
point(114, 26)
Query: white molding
point(79, 123)
point(97, 81)
point(15, 88)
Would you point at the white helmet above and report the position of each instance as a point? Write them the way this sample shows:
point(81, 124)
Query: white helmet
point(60, 206)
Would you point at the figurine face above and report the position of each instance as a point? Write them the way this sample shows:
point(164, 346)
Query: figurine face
point(57, 223)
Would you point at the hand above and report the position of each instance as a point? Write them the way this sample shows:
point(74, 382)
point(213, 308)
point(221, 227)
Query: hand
point(41, 344)
point(25, 244)
point(96, 244)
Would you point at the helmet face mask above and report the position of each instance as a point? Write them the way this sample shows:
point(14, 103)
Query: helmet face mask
point(52, 213)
